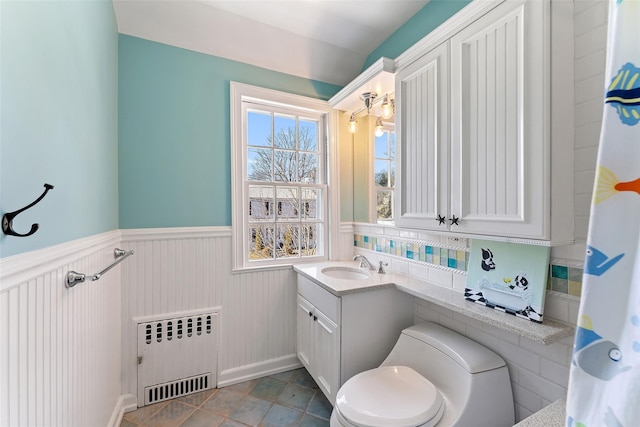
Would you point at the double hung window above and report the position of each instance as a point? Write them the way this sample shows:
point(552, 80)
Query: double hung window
point(280, 161)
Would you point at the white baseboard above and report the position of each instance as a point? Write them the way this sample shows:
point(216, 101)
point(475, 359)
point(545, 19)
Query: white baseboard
point(258, 370)
point(126, 403)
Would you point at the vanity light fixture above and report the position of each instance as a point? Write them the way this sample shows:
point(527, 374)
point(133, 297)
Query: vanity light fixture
point(368, 98)
point(353, 124)
point(388, 107)
point(379, 130)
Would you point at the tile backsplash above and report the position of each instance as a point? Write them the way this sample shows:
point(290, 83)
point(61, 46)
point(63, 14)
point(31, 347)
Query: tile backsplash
point(418, 251)
point(563, 278)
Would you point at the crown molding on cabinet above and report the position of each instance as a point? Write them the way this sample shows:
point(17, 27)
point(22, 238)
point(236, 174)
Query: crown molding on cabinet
point(378, 78)
point(446, 30)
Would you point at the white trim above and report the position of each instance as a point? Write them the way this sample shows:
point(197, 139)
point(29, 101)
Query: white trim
point(126, 403)
point(16, 269)
point(258, 370)
point(445, 31)
point(379, 75)
point(333, 187)
point(174, 233)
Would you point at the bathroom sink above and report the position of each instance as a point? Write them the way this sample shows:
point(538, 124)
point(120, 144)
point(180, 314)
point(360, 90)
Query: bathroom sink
point(345, 273)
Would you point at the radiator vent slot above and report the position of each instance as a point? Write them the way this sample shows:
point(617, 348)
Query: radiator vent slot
point(178, 355)
point(173, 389)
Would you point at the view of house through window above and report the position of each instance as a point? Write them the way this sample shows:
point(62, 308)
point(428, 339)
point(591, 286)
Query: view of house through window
point(384, 174)
point(284, 183)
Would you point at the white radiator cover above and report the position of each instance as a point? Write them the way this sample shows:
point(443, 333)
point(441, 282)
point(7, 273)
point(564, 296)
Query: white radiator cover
point(177, 355)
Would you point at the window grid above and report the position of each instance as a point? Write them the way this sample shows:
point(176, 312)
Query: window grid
point(384, 175)
point(284, 184)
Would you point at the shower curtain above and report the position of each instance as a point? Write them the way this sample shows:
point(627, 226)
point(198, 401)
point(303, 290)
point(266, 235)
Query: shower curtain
point(604, 382)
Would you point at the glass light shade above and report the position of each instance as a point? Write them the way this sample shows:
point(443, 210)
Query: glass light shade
point(387, 108)
point(379, 130)
point(353, 124)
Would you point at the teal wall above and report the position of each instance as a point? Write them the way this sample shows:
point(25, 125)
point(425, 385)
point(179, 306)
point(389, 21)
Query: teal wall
point(174, 138)
point(131, 133)
point(58, 120)
point(422, 23)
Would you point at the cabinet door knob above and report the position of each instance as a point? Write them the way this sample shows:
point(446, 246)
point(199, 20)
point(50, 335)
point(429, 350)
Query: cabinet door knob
point(315, 318)
point(441, 219)
point(310, 314)
point(454, 220)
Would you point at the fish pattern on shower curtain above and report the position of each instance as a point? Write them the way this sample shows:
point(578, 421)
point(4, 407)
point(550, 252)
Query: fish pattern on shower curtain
point(604, 383)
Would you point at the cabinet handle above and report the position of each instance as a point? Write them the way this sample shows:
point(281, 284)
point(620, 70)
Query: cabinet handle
point(441, 220)
point(310, 314)
point(454, 220)
point(315, 318)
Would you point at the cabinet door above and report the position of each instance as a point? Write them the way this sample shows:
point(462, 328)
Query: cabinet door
point(422, 132)
point(305, 330)
point(500, 122)
point(327, 353)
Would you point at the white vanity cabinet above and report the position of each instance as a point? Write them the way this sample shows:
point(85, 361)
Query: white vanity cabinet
point(475, 131)
point(340, 336)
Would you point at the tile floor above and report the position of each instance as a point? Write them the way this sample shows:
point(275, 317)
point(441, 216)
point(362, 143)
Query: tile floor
point(289, 398)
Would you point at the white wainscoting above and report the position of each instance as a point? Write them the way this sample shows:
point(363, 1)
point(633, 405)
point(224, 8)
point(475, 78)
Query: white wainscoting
point(60, 348)
point(184, 269)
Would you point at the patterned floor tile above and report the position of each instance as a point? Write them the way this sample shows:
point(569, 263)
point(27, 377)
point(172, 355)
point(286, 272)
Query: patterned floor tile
point(311, 421)
point(251, 411)
point(303, 378)
point(141, 414)
point(320, 406)
point(279, 400)
point(202, 418)
point(296, 396)
point(171, 415)
point(224, 402)
point(268, 388)
point(197, 399)
point(281, 416)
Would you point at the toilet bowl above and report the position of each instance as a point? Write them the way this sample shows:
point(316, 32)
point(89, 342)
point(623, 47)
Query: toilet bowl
point(432, 377)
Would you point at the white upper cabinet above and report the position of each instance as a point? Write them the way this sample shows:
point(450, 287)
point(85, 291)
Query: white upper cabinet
point(422, 127)
point(475, 130)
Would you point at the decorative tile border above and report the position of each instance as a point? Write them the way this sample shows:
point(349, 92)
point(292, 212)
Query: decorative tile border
point(562, 278)
point(565, 279)
point(417, 251)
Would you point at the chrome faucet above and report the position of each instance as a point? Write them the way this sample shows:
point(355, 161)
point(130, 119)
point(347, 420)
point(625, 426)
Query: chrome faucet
point(364, 262)
point(382, 264)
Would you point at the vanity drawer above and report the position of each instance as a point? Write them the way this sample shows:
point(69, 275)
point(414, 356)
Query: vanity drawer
point(322, 299)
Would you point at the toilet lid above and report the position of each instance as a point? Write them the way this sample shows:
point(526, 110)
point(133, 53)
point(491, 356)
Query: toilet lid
point(389, 396)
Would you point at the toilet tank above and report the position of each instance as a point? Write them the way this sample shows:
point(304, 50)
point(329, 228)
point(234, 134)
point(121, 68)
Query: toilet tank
point(473, 379)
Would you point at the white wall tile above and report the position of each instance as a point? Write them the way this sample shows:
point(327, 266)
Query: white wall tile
point(540, 386)
point(500, 333)
point(554, 372)
point(488, 340)
point(441, 277)
point(519, 356)
point(527, 399)
point(459, 282)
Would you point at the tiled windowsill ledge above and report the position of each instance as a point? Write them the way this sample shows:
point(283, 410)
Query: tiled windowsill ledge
point(547, 332)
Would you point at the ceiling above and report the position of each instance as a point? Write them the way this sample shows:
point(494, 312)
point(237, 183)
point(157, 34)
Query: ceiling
point(325, 40)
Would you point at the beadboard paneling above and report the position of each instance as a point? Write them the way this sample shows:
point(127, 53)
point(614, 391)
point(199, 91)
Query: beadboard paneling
point(59, 347)
point(184, 269)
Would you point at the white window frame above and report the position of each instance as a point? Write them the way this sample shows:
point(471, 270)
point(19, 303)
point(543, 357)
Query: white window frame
point(240, 94)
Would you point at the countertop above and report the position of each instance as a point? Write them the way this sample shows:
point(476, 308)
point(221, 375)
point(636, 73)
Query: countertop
point(550, 416)
point(546, 333)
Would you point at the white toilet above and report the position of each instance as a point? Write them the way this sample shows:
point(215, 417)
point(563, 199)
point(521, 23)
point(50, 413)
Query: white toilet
point(432, 377)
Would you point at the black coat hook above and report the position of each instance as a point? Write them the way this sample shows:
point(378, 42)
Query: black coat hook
point(7, 219)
